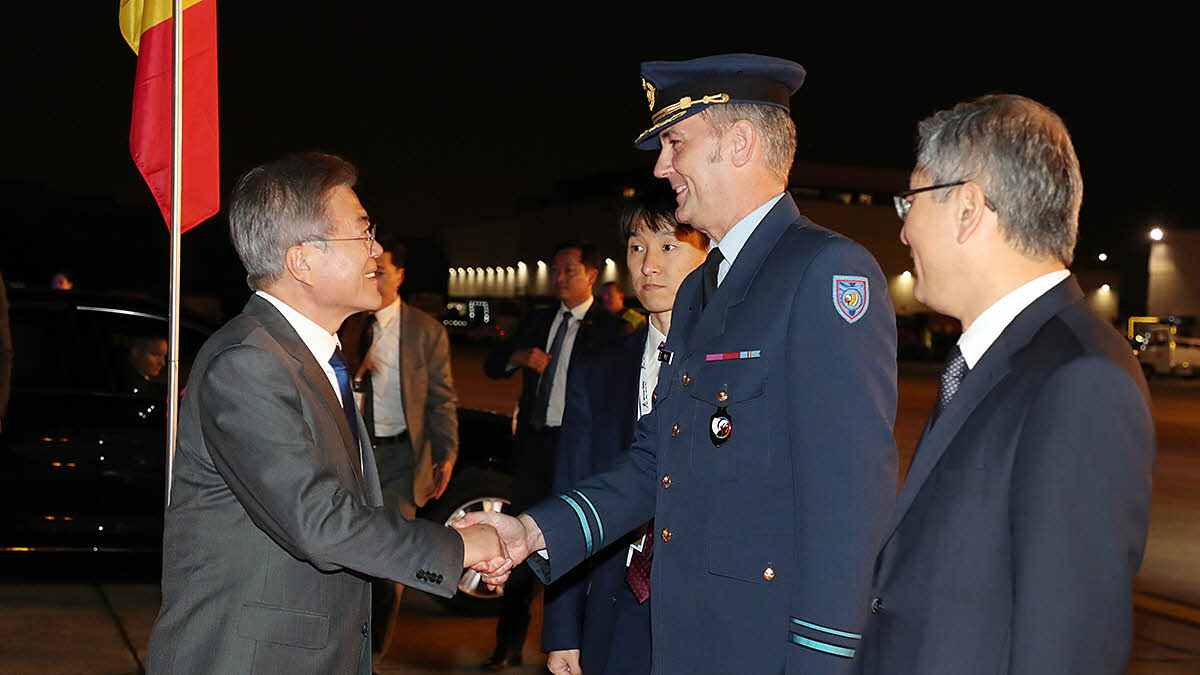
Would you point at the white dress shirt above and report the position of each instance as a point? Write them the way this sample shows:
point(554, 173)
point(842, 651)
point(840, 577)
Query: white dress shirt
point(383, 359)
point(976, 340)
point(319, 343)
point(558, 392)
point(648, 377)
point(733, 241)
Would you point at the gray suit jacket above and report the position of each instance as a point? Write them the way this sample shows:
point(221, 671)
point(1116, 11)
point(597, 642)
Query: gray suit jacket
point(426, 388)
point(274, 523)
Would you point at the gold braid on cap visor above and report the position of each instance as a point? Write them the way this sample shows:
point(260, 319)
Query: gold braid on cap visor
point(680, 108)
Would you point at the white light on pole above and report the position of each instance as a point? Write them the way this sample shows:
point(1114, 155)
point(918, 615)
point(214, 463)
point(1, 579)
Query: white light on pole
point(1156, 234)
point(1103, 257)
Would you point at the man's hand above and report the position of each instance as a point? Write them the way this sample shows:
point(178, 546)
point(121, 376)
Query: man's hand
point(482, 548)
point(529, 358)
point(564, 662)
point(441, 479)
point(520, 537)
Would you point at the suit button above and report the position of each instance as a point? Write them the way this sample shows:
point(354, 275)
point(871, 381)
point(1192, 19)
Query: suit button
point(675, 431)
point(722, 396)
point(666, 534)
point(876, 605)
point(666, 481)
point(685, 380)
point(421, 575)
point(612, 599)
point(438, 580)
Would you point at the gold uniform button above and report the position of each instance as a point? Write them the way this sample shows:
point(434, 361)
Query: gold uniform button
point(666, 481)
point(768, 574)
point(722, 396)
point(675, 431)
point(686, 379)
point(666, 534)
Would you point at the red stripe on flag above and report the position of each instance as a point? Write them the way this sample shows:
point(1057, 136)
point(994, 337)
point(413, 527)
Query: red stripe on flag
point(150, 130)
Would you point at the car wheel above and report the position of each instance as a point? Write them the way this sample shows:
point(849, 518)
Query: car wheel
point(473, 490)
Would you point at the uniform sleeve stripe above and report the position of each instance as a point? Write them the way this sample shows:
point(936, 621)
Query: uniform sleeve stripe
point(587, 530)
point(822, 647)
point(823, 629)
point(599, 525)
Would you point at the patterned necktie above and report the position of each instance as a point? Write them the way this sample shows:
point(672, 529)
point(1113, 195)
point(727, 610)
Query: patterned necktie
point(343, 378)
point(952, 376)
point(546, 381)
point(712, 264)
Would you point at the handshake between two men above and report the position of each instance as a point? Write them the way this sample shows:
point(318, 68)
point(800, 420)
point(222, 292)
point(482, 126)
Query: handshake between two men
point(494, 543)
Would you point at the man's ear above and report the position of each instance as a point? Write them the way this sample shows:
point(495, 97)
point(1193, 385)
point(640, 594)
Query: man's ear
point(971, 210)
point(297, 262)
point(399, 278)
point(743, 139)
point(592, 276)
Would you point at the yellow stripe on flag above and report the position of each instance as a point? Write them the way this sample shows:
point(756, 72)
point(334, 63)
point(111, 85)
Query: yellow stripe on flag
point(139, 16)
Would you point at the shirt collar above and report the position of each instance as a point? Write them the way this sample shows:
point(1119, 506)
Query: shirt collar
point(654, 338)
point(736, 237)
point(385, 315)
point(320, 343)
point(579, 310)
point(976, 340)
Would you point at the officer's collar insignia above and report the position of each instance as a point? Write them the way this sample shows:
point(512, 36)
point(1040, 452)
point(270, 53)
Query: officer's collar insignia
point(851, 296)
point(649, 93)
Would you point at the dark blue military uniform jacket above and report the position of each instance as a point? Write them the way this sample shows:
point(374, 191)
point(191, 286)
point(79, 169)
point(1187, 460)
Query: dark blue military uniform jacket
point(593, 608)
point(1023, 517)
point(766, 542)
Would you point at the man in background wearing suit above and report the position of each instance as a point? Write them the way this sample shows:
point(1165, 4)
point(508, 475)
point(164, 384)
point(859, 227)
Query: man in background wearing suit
point(544, 348)
point(276, 515)
point(1023, 517)
point(400, 357)
point(597, 618)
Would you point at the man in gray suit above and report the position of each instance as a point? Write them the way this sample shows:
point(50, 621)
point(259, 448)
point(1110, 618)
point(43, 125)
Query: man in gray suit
point(276, 515)
point(400, 357)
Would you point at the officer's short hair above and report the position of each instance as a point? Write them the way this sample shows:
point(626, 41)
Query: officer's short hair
point(1020, 153)
point(588, 254)
point(281, 204)
point(653, 207)
point(775, 128)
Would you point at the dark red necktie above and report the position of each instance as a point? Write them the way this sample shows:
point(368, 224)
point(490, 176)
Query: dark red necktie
point(638, 574)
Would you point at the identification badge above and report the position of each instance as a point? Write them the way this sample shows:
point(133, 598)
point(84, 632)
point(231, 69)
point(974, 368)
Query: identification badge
point(720, 427)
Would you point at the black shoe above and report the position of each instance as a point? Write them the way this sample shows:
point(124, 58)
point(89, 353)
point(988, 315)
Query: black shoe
point(500, 660)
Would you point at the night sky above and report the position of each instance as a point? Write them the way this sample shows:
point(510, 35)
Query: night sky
point(463, 114)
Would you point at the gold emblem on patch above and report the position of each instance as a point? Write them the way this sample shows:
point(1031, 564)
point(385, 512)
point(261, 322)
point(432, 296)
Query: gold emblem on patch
point(649, 93)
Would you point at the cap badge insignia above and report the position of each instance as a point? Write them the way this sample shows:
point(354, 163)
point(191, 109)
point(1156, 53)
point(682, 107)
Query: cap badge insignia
point(851, 297)
point(649, 93)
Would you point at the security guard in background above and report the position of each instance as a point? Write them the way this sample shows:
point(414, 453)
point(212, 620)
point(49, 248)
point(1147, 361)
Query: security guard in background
point(768, 462)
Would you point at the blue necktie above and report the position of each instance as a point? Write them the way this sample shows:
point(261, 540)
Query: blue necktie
point(343, 378)
point(546, 381)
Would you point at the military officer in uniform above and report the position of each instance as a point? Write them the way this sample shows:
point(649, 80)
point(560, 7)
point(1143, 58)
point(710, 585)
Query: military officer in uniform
point(768, 462)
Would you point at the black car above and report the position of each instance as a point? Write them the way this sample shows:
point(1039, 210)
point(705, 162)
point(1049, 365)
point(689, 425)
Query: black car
point(83, 442)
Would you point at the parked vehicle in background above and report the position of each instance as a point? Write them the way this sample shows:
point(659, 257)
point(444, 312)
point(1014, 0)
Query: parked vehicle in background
point(1162, 351)
point(83, 444)
point(480, 319)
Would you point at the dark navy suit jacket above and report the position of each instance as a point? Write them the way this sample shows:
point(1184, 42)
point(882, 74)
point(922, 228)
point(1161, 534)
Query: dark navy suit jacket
point(592, 608)
point(765, 543)
point(1023, 517)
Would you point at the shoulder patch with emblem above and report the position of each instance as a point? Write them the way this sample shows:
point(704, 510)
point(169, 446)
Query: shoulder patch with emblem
point(851, 296)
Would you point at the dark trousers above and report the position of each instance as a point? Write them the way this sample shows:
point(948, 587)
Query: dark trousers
point(533, 476)
point(395, 462)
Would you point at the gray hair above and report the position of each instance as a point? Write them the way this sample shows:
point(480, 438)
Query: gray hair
point(775, 128)
point(281, 204)
point(1020, 153)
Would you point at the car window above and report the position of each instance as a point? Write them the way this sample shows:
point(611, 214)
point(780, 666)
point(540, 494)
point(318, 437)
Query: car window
point(50, 351)
point(136, 350)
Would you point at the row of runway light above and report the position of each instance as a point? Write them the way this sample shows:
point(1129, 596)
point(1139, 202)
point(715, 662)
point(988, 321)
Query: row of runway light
point(609, 263)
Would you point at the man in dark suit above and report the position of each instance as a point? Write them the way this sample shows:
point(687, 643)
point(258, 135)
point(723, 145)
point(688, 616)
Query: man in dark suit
point(276, 517)
point(768, 462)
point(400, 357)
point(597, 618)
point(544, 347)
point(1023, 516)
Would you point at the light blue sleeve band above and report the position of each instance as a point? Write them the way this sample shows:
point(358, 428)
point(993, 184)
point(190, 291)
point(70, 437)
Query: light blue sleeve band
point(599, 525)
point(822, 647)
point(587, 531)
point(823, 629)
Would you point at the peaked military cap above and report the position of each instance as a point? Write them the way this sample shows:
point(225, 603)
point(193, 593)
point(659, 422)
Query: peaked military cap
point(676, 90)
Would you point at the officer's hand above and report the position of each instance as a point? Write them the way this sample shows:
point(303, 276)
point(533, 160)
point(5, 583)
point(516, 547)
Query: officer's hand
point(564, 662)
point(530, 358)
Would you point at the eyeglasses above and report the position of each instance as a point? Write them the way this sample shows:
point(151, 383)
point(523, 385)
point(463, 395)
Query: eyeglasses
point(369, 237)
point(903, 203)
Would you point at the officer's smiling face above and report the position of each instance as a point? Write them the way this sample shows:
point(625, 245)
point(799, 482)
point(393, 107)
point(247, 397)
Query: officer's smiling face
point(691, 160)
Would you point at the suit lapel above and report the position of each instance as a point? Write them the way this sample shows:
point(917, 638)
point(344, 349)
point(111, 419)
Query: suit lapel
point(290, 341)
point(987, 373)
point(631, 370)
point(733, 289)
